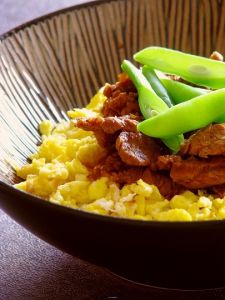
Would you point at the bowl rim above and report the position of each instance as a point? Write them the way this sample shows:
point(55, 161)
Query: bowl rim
point(35, 21)
point(5, 187)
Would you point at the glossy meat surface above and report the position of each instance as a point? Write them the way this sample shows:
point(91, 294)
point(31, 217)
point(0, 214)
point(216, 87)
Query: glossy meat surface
point(121, 98)
point(137, 149)
point(132, 155)
point(206, 142)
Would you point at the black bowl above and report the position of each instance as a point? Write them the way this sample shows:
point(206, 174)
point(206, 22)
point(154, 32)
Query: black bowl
point(58, 62)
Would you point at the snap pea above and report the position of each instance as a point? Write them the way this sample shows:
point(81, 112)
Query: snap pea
point(196, 69)
point(171, 91)
point(173, 142)
point(150, 104)
point(157, 85)
point(180, 92)
point(187, 116)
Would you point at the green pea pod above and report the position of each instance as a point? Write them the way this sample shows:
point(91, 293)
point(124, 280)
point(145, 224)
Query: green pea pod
point(173, 142)
point(157, 85)
point(149, 102)
point(199, 70)
point(187, 116)
point(180, 92)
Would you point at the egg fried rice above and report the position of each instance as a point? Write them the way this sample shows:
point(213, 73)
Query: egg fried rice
point(58, 173)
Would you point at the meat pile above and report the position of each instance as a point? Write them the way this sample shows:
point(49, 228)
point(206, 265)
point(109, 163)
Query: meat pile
point(132, 155)
point(201, 161)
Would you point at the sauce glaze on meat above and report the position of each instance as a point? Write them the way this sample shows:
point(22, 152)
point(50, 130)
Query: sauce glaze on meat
point(132, 155)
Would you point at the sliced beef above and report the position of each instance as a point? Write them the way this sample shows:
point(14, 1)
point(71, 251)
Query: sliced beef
point(89, 124)
point(114, 124)
point(194, 173)
point(105, 140)
point(164, 183)
point(111, 164)
point(165, 162)
point(106, 129)
point(127, 176)
point(121, 98)
point(132, 155)
point(137, 149)
point(120, 104)
point(95, 124)
point(109, 125)
point(206, 142)
point(115, 169)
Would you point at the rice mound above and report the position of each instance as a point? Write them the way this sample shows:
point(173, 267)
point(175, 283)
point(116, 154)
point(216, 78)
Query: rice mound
point(57, 173)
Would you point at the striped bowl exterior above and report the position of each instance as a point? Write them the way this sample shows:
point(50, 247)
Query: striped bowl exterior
point(58, 62)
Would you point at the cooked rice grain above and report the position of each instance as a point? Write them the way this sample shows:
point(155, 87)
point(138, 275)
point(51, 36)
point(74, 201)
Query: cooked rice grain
point(57, 174)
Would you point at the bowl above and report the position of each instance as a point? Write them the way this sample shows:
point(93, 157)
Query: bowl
point(58, 62)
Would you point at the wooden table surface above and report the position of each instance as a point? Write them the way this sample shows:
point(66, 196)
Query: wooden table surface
point(32, 269)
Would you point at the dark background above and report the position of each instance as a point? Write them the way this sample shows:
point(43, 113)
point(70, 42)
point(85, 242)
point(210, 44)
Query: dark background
point(32, 269)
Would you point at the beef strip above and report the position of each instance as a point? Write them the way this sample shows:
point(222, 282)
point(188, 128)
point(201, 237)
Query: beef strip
point(135, 154)
point(112, 163)
point(165, 162)
point(115, 169)
point(132, 156)
point(96, 125)
point(121, 98)
point(194, 173)
point(109, 125)
point(89, 124)
point(127, 176)
point(105, 129)
point(137, 149)
point(164, 183)
point(134, 148)
point(206, 142)
point(105, 140)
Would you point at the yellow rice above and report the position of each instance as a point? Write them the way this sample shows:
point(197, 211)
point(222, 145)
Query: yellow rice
point(58, 174)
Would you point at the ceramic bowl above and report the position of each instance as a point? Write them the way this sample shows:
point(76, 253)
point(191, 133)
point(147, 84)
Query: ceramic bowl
point(58, 62)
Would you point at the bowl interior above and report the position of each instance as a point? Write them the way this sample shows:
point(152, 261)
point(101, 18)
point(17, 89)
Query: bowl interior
point(57, 63)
